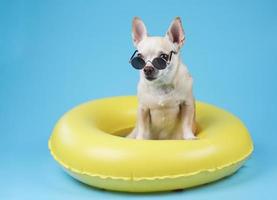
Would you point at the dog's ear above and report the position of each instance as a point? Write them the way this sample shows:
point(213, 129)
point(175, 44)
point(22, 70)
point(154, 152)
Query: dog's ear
point(176, 33)
point(139, 31)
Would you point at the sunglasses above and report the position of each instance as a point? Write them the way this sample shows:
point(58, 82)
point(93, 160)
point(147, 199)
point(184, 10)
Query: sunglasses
point(159, 62)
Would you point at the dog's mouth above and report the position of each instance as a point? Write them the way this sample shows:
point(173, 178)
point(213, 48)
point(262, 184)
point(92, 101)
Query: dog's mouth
point(150, 78)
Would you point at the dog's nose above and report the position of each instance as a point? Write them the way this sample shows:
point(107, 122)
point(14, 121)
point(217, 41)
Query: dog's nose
point(148, 70)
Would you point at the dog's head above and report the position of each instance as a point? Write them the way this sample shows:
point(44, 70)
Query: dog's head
point(149, 48)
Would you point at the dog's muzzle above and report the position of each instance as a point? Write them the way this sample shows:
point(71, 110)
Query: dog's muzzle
point(149, 73)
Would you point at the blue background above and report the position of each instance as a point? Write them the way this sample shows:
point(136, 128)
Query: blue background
point(55, 55)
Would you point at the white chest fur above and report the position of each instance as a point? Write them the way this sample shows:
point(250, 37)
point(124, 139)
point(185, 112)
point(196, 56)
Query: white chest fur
point(167, 95)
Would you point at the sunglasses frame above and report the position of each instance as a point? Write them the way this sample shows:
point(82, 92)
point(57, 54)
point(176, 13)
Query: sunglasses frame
point(167, 61)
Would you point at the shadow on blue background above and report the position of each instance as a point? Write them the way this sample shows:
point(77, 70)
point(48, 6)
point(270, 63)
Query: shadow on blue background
point(57, 54)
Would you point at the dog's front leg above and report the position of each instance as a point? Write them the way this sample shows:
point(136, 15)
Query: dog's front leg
point(143, 123)
point(142, 129)
point(188, 125)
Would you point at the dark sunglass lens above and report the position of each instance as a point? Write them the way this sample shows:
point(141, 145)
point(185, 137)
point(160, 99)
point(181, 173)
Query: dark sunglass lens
point(137, 63)
point(159, 63)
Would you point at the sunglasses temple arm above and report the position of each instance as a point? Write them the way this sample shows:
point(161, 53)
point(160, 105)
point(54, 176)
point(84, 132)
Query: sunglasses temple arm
point(172, 52)
point(133, 55)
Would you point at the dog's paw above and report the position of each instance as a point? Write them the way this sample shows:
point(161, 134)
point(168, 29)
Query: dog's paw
point(131, 136)
point(143, 136)
point(139, 137)
point(189, 136)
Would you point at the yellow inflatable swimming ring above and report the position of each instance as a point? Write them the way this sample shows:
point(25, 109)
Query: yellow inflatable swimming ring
point(86, 142)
